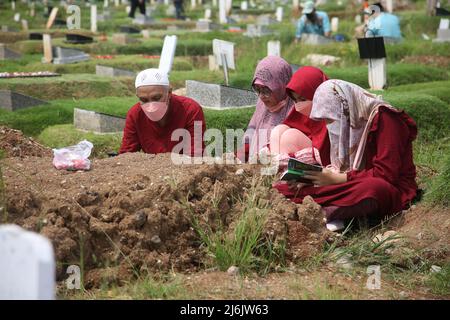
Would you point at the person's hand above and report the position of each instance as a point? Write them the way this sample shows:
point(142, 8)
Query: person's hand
point(326, 177)
point(294, 186)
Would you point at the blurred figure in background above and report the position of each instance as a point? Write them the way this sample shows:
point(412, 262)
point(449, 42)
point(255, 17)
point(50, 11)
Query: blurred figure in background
point(135, 4)
point(179, 9)
point(383, 24)
point(312, 21)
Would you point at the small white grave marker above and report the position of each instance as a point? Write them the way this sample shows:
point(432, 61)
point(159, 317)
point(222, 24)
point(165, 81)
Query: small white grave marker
point(222, 11)
point(105, 3)
point(334, 24)
point(279, 14)
point(444, 24)
point(116, 3)
point(224, 55)
point(208, 14)
point(214, 3)
point(13, 5)
point(128, 9)
point(27, 265)
point(358, 19)
point(17, 17)
point(52, 18)
point(377, 74)
point(244, 5)
point(48, 53)
point(24, 25)
point(274, 48)
point(193, 4)
point(94, 18)
point(168, 53)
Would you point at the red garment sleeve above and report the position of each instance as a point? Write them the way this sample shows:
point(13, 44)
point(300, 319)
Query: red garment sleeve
point(130, 141)
point(197, 143)
point(391, 138)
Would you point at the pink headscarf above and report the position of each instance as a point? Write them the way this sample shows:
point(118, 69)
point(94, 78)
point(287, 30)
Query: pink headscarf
point(352, 110)
point(274, 73)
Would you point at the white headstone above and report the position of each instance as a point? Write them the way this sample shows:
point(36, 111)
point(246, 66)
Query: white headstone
point(17, 17)
point(222, 11)
point(166, 2)
point(168, 53)
point(295, 4)
point(48, 53)
point(24, 25)
point(444, 24)
point(127, 9)
point(279, 14)
point(229, 5)
point(193, 4)
point(214, 3)
point(94, 18)
point(358, 19)
point(225, 49)
point(116, 3)
point(244, 5)
point(27, 265)
point(377, 73)
point(334, 24)
point(208, 14)
point(274, 48)
point(13, 5)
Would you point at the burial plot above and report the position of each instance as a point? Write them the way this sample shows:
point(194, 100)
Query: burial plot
point(122, 39)
point(265, 20)
point(13, 101)
point(219, 96)
point(27, 265)
point(97, 122)
point(8, 54)
point(224, 55)
point(443, 33)
point(127, 29)
point(206, 26)
point(35, 36)
point(78, 38)
point(113, 72)
point(257, 31)
point(66, 55)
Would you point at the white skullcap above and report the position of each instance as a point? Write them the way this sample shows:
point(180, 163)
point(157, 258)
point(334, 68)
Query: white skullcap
point(152, 77)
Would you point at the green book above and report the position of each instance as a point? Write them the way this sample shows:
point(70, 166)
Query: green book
point(296, 170)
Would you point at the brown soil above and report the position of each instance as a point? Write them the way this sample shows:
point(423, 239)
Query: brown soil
point(14, 144)
point(134, 212)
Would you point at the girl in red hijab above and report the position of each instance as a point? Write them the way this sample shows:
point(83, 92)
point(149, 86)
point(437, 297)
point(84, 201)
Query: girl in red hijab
point(298, 135)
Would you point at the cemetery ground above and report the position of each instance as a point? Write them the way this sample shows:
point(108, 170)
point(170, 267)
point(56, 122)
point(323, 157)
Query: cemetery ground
point(141, 227)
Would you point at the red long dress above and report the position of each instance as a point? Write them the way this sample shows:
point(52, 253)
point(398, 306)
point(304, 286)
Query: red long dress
point(389, 174)
point(140, 133)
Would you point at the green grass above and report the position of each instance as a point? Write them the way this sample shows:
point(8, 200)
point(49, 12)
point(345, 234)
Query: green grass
point(244, 245)
point(439, 282)
point(439, 192)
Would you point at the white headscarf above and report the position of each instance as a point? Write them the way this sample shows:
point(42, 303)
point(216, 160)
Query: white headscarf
point(352, 110)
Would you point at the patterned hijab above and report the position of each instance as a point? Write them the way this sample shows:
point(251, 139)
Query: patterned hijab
point(352, 110)
point(274, 73)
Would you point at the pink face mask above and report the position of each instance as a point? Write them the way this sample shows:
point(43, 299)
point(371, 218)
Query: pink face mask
point(155, 110)
point(304, 107)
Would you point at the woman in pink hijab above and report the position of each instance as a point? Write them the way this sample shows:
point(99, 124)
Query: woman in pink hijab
point(269, 82)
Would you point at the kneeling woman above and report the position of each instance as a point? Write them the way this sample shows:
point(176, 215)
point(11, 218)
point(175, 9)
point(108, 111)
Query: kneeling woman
point(372, 171)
